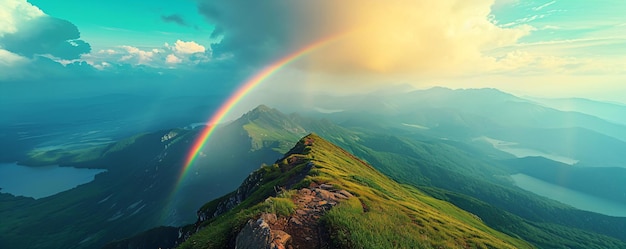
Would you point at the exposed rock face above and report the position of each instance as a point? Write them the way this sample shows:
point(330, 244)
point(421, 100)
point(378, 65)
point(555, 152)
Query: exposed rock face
point(302, 229)
point(258, 235)
point(254, 235)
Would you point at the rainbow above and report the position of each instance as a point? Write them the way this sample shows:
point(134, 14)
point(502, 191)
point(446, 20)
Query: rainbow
point(240, 93)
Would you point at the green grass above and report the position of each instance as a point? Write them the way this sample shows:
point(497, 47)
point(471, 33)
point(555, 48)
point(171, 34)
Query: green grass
point(280, 206)
point(383, 213)
point(62, 156)
point(390, 215)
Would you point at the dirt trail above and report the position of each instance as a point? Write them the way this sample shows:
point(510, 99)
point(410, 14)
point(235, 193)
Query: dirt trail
point(304, 226)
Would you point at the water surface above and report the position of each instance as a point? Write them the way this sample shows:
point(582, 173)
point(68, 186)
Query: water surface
point(570, 197)
point(39, 182)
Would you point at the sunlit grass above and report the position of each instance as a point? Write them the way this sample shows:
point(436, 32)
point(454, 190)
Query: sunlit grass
point(389, 215)
point(382, 213)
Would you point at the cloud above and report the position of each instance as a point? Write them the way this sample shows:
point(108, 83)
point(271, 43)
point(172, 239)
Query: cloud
point(9, 61)
point(13, 12)
point(172, 59)
point(33, 44)
point(175, 18)
point(538, 8)
point(137, 56)
point(29, 32)
point(378, 36)
point(181, 53)
point(191, 47)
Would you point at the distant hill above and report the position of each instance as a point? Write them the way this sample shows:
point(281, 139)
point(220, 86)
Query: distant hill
point(613, 112)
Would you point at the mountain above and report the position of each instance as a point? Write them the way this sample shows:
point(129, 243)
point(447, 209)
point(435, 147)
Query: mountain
point(453, 171)
point(613, 112)
point(320, 196)
point(443, 161)
point(139, 190)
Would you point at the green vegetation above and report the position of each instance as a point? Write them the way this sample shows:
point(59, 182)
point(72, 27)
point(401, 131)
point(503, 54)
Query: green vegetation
point(282, 204)
point(541, 234)
point(428, 162)
point(92, 214)
point(383, 213)
point(261, 126)
point(63, 156)
point(447, 165)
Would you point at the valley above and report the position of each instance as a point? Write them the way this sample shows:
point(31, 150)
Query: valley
point(479, 176)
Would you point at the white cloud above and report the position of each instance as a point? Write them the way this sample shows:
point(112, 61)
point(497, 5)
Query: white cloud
point(172, 59)
point(538, 8)
point(137, 56)
point(191, 47)
point(107, 51)
point(9, 62)
point(13, 12)
point(10, 59)
point(181, 53)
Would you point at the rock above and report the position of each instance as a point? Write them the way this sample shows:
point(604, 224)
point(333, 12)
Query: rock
point(254, 235)
point(326, 206)
point(324, 194)
point(269, 218)
point(340, 196)
point(295, 221)
point(281, 237)
point(258, 235)
point(346, 193)
point(305, 191)
point(276, 246)
point(326, 186)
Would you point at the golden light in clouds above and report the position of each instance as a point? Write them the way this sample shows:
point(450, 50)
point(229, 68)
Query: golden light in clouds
point(408, 36)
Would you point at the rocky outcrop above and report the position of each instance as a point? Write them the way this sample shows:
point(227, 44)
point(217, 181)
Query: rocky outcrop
point(258, 235)
point(254, 235)
point(301, 229)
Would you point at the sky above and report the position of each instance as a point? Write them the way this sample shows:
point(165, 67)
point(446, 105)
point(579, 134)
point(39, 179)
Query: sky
point(542, 48)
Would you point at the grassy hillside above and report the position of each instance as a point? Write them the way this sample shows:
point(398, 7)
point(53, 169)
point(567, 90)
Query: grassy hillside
point(381, 214)
point(424, 161)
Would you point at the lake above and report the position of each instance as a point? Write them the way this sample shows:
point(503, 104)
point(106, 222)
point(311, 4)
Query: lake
point(39, 182)
point(520, 152)
point(570, 197)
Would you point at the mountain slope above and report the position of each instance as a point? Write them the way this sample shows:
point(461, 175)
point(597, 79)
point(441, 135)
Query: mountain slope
point(458, 167)
point(379, 213)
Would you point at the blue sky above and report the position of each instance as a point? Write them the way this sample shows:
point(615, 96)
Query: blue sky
point(139, 23)
point(542, 48)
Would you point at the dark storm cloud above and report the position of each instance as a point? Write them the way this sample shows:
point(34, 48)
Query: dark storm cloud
point(46, 35)
point(175, 18)
point(255, 31)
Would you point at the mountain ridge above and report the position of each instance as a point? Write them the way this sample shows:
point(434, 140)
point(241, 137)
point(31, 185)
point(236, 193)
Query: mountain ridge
point(330, 167)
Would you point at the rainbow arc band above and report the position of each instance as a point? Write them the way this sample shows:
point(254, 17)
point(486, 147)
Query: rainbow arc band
point(241, 92)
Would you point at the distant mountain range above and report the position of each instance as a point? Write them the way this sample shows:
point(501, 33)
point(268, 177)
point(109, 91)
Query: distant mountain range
point(613, 112)
point(446, 156)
